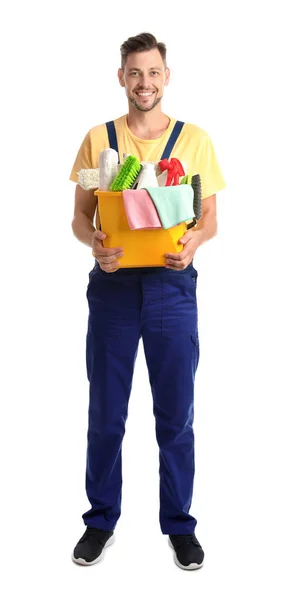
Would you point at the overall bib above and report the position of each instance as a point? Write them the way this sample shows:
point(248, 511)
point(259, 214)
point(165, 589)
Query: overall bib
point(158, 305)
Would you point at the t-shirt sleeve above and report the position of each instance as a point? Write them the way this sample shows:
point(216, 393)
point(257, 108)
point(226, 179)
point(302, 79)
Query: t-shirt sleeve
point(83, 159)
point(208, 167)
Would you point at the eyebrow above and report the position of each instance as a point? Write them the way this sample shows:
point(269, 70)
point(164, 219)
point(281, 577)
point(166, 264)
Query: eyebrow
point(151, 68)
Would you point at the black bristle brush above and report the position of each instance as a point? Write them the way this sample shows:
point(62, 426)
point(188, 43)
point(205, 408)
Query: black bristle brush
point(197, 196)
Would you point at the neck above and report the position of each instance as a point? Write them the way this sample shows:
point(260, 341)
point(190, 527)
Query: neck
point(147, 125)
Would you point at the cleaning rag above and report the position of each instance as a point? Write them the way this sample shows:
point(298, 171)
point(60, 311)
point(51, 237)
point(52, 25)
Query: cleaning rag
point(174, 204)
point(140, 210)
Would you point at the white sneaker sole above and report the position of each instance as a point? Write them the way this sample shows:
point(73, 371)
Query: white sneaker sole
point(81, 561)
point(190, 567)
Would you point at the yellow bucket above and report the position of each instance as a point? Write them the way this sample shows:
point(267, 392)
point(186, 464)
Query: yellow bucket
point(142, 247)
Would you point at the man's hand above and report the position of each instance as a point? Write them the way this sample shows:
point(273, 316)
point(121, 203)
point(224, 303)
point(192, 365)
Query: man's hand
point(106, 257)
point(181, 260)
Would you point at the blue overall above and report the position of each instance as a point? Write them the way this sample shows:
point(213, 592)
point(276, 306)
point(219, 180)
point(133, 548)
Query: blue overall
point(158, 305)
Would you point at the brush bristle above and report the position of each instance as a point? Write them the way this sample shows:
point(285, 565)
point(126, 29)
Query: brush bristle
point(127, 175)
point(197, 198)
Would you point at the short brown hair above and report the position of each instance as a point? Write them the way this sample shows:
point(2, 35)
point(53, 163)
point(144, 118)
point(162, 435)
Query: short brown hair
point(140, 43)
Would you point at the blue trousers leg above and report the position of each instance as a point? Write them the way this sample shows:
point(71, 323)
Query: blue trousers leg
point(169, 329)
point(111, 347)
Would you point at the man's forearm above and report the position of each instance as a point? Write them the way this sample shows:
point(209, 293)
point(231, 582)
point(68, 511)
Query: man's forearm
point(83, 228)
point(207, 226)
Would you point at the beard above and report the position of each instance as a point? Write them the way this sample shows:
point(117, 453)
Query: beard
point(144, 108)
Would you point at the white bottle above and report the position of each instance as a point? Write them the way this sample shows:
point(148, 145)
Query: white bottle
point(147, 176)
point(108, 163)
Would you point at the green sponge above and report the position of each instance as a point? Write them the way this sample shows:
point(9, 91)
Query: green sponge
point(127, 175)
point(186, 180)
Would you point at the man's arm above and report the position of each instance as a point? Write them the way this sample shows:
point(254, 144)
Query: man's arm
point(83, 229)
point(207, 225)
point(84, 211)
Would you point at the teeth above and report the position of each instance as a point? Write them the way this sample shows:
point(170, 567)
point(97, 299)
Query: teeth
point(144, 93)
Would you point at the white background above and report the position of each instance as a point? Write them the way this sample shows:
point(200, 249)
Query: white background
point(237, 71)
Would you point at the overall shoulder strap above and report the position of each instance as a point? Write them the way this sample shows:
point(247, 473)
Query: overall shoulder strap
point(112, 136)
point(112, 139)
point(113, 143)
point(172, 139)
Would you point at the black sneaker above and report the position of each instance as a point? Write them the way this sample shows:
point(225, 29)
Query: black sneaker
point(188, 552)
point(89, 548)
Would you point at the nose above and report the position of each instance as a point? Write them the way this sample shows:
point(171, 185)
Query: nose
point(144, 81)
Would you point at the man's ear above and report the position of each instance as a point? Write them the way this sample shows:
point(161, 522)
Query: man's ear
point(120, 77)
point(167, 76)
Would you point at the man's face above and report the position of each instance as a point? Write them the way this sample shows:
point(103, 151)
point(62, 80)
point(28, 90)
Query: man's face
point(144, 78)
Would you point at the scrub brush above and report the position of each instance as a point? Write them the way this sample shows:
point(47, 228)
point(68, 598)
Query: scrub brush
point(197, 196)
point(135, 184)
point(127, 175)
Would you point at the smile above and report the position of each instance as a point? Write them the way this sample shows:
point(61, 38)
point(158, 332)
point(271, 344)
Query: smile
point(145, 94)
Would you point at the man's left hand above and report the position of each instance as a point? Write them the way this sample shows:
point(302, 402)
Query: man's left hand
point(181, 260)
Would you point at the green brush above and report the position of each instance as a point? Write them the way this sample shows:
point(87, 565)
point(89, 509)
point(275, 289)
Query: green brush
point(197, 196)
point(127, 175)
point(136, 181)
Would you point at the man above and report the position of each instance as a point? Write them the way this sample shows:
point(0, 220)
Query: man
point(157, 304)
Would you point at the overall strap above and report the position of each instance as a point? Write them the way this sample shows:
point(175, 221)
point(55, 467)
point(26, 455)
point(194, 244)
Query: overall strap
point(113, 143)
point(112, 137)
point(172, 139)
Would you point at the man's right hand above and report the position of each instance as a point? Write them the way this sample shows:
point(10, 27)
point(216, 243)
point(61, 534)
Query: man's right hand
point(106, 257)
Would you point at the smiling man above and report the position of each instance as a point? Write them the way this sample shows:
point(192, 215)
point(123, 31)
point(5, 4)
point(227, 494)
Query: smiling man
point(147, 98)
point(157, 304)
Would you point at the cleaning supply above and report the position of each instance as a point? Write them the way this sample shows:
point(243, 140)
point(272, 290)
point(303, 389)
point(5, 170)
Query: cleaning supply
point(140, 210)
point(135, 184)
point(174, 204)
point(89, 179)
point(197, 199)
point(108, 161)
point(186, 179)
point(142, 247)
point(162, 176)
point(147, 177)
point(174, 170)
point(127, 175)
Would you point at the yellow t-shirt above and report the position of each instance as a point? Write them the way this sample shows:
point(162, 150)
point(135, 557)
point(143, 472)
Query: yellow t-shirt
point(193, 146)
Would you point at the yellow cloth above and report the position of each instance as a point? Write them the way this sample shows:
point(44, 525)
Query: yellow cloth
point(193, 146)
